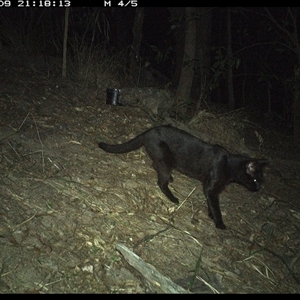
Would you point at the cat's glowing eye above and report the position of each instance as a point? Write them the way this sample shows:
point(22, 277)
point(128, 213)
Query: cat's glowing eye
point(254, 180)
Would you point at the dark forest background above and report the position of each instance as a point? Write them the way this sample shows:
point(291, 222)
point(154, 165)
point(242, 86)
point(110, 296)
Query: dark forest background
point(217, 59)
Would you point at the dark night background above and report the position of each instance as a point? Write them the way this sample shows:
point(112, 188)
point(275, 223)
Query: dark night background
point(264, 50)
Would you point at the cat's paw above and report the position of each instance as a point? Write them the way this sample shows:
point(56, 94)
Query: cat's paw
point(221, 226)
point(175, 200)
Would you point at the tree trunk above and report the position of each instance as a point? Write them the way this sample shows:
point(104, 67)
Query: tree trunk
point(64, 64)
point(292, 35)
point(187, 71)
point(177, 19)
point(296, 104)
point(231, 99)
point(137, 30)
point(200, 93)
point(296, 107)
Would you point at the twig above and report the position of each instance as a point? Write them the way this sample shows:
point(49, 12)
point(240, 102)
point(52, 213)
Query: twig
point(210, 286)
point(16, 130)
point(39, 137)
point(188, 196)
point(34, 152)
point(53, 282)
point(14, 149)
point(21, 224)
point(150, 237)
point(264, 275)
point(55, 165)
point(262, 248)
point(42, 145)
point(7, 273)
point(23, 122)
point(267, 269)
point(182, 231)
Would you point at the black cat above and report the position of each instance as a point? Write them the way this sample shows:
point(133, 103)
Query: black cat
point(171, 148)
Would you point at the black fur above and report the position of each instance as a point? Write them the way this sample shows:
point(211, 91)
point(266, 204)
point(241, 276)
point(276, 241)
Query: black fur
point(171, 148)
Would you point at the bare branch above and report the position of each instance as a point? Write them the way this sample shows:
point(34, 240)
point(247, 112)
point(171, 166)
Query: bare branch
point(284, 30)
point(294, 25)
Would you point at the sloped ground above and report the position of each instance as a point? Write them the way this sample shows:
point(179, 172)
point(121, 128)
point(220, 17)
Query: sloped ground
point(65, 204)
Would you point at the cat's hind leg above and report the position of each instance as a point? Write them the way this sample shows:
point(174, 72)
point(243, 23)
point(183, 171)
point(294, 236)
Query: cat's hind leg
point(163, 178)
point(163, 164)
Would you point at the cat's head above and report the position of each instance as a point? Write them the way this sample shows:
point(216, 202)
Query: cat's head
point(252, 174)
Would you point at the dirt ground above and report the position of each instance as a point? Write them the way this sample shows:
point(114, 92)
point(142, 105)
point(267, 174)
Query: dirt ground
point(65, 204)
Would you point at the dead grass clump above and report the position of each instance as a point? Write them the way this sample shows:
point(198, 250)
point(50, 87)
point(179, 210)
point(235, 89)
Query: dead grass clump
point(96, 68)
point(224, 129)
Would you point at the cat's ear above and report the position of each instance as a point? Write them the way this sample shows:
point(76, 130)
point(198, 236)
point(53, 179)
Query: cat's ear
point(253, 165)
point(250, 167)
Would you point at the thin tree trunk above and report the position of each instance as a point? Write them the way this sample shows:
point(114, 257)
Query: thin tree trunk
point(137, 30)
point(64, 64)
point(296, 107)
point(177, 17)
point(200, 93)
point(292, 35)
point(296, 104)
point(187, 71)
point(231, 99)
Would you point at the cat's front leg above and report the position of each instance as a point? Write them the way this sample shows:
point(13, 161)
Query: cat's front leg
point(217, 218)
point(212, 198)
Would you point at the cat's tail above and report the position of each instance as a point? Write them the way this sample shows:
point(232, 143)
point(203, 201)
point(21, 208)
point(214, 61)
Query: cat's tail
point(131, 145)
